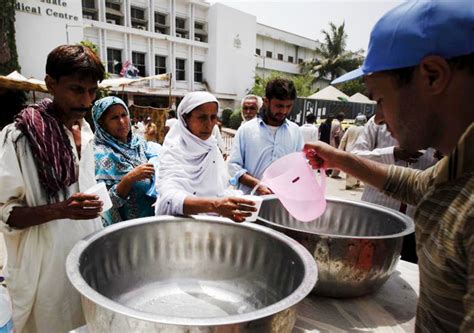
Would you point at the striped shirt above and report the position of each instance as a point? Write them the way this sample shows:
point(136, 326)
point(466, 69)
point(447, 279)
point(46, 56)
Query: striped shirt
point(377, 144)
point(444, 223)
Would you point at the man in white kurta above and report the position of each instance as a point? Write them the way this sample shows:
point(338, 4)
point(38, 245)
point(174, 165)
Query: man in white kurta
point(377, 144)
point(347, 144)
point(335, 139)
point(46, 162)
point(35, 271)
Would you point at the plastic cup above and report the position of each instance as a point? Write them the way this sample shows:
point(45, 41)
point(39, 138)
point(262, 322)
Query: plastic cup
point(258, 203)
point(100, 190)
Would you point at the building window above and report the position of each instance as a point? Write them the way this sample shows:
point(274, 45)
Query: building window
point(113, 19)
point(198, 25)
point(89, 11)
point(114, 61)
point(280, 56)
point(198, 71)
point(113, 12)
point(257, 51)
point(200, 34)
point(200, 38)
point(160, 18)
point(269, 54)
point(300, 61)
point(181, 30)
point(137, 13)
point(180, 23)
point(138, 60)
point(88, 4)
point(290, 59)
point(180, 69)
point(112, 5)
point(160, 64)
point(138, 18)
point(161, 23)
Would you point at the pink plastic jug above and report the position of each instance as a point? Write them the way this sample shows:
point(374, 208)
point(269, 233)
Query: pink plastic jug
point(294, 183)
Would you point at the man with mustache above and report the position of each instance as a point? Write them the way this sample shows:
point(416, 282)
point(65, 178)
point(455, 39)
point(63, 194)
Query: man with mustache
point(46, 162)
point(266, 138)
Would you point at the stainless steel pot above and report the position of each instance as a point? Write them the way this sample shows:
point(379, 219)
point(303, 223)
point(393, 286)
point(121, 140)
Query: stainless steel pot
point(355, 244)
point(168, 274)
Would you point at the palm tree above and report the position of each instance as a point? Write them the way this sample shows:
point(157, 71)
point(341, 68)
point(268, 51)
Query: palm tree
point(332, 60)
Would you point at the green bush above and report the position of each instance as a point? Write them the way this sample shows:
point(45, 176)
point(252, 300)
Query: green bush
point(225, 118)
point(235, 119)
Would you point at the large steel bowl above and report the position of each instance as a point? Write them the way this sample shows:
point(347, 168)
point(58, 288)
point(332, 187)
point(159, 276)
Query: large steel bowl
point(355, 244)
point(168, 274)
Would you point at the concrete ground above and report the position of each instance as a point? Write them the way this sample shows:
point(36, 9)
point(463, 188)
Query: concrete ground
point(335, 188)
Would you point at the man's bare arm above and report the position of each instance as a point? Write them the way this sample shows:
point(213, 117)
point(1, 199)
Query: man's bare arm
point(250, 181)
point(323, 155)
point(78, 207)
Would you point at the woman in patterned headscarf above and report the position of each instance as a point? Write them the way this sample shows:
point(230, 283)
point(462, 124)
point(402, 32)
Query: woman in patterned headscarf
point(121, 161)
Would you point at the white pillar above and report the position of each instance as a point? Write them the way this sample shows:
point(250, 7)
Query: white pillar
point(151, 16)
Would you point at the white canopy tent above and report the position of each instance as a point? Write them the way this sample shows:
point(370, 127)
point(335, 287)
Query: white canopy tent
point(16, 81)
point(122, 81)
point(330, 93)
point(330, 100)
point(360, 98)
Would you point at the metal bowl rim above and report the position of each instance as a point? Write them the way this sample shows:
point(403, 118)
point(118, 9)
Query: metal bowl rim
point(410, 226)
point(308, 281)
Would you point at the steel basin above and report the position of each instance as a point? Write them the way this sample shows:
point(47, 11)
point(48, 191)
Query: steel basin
point(356, 245)
point(170, 274)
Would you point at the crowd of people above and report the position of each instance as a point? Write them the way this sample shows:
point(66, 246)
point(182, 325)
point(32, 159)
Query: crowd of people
point(50, 156)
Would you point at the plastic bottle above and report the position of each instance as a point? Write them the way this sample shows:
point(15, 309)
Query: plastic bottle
point(6, 321)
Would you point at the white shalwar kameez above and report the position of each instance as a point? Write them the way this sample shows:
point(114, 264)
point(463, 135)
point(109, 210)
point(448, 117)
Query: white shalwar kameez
point(42, 296)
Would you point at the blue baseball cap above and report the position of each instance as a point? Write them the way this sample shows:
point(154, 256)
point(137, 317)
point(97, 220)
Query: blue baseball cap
point(414, 30)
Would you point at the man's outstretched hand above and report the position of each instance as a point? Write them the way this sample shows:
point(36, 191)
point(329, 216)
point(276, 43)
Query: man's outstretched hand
point(321, 155)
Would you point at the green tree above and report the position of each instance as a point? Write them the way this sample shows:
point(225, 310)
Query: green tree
point(351, 87)
point(332, 59)
point(89, 44)
point(12, 101)
point(260, 83)
point(235, 119)
point(225, 117)
point(8, 52)
point(303, 83)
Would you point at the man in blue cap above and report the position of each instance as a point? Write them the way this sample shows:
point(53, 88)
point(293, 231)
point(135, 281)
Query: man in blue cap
point(420, 69)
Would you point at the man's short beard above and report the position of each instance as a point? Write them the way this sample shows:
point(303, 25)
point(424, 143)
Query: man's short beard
point(269, 115)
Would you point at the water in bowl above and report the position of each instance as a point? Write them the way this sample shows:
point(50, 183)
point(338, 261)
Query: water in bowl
point(191, 298)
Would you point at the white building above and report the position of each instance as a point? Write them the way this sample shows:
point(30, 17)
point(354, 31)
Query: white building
point(282, 51)
point(215, 48)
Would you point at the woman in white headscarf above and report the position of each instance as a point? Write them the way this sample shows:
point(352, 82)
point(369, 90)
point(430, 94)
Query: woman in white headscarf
point(193, 177)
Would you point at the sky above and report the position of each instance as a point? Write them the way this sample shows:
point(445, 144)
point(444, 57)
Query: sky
point(308, 18)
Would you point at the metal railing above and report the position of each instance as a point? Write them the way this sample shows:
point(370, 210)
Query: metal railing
point(228, 137)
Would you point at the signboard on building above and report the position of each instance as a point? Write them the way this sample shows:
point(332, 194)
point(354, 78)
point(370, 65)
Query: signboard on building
point(42, 25)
